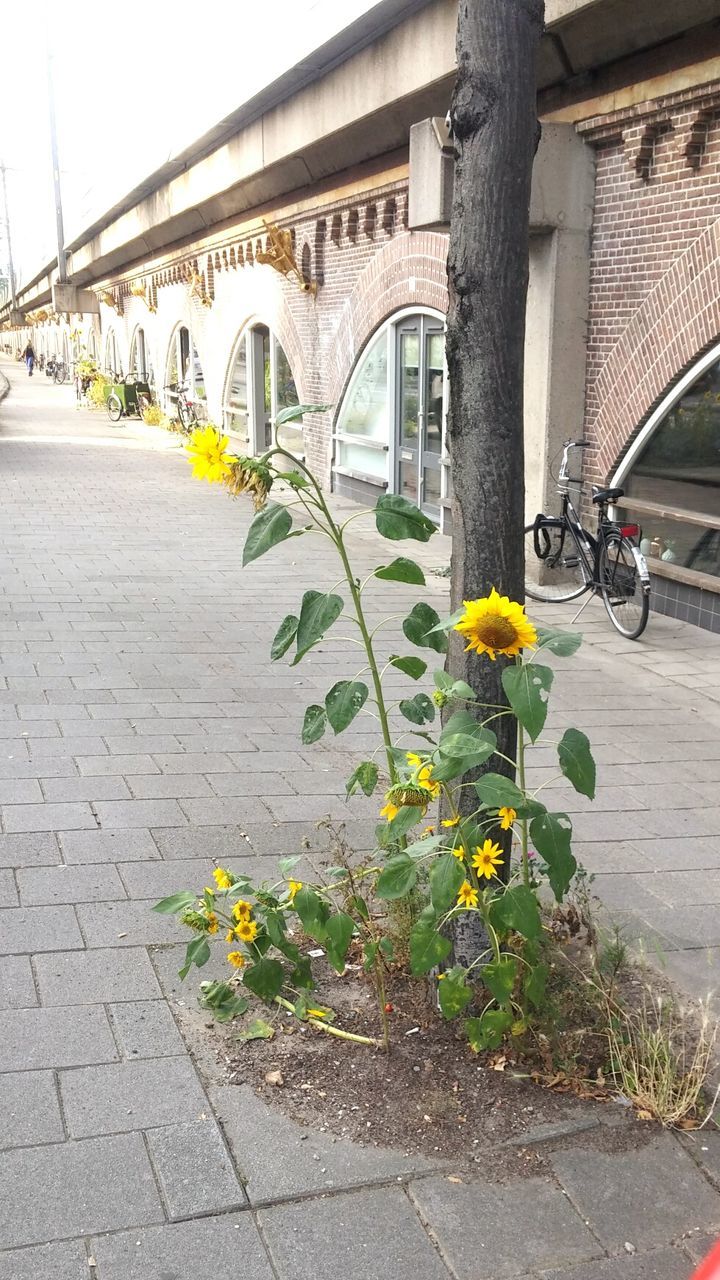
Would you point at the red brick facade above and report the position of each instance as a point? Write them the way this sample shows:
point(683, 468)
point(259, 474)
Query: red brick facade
point(655, 267)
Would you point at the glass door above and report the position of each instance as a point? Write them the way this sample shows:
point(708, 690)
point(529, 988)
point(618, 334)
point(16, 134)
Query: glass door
point(420, 398)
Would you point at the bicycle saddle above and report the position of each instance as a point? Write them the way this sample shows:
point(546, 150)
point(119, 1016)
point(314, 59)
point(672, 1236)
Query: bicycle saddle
point(606, 495)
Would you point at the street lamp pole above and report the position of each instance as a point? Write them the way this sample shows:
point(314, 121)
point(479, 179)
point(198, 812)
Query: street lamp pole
point(6, 213)
point(61, 261)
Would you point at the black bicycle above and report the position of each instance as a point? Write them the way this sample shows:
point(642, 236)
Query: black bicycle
point(563, 559)
point(190, 413)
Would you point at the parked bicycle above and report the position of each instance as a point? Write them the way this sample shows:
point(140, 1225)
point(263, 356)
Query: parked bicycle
point(563, 559)
point(57, 369)
point(191, 413)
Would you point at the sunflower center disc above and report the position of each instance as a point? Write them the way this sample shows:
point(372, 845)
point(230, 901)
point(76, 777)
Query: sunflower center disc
point(496, 632)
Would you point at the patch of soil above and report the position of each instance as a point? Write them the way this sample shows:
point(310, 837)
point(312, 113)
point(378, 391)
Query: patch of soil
point(430, 1095)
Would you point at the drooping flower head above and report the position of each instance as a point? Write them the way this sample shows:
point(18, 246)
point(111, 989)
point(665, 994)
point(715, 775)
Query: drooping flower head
point(423, 774)
point(496, 625)
point(237, 959)
point(207, 452)
point(223, 879)
point(507, 816)
point(486, 858)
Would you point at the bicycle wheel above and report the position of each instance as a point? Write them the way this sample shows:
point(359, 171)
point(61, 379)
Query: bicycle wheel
point(114, 407)
point(60, 373)
point(557, 574)
point(184, 416)
point(627, 604)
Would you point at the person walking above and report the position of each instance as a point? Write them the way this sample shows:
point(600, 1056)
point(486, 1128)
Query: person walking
point(29, 358)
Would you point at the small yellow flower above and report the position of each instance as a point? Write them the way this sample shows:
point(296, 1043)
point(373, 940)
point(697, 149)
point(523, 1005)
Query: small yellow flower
point(207, 452)
point(223, 879)
point(242, 910)
point(210, 892)
point(487, 858)
point(230, 935)
point(428, 831)
point(390, 811)
point(212, 920)
point(458, 852)
point(496, 625)
point(237, 959)
point(246, 930)
point(467, 896)
point(507, 816)
point(451, 822)
point(294, 886)
point(316, 1013)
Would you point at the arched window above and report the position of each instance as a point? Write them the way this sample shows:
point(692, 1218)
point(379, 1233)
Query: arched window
point(112, 361)
point(671, 477)
point(259, 385)
point(140, 363)
point(390, 428)
point(183, 366)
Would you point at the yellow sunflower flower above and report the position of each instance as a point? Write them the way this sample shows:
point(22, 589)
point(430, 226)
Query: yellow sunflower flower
point(294, 886)
point(223, 879)
point(487, 858)
point(390, 811)
point(237, 959)
point(458, 852)
point(451, 822)
point(230, 935)
point(424, 774)
point(316, 1013)
point(247, 930)
point(507, 816)
point(212, 925)
point(496, 625)
point(467, 895)
point(242, 910)
point(208, 457)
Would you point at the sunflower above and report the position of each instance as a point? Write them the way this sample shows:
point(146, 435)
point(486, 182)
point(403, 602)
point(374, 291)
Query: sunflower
point(237, 959)
point(246, 930)
point(223, 879)
point(423, 774)
point(294, 887)
point(496, 625)
point(507, 816)
point(208, 457)
point(242, 910)
point(390, 811)
point(486, 859)
point(467, 896)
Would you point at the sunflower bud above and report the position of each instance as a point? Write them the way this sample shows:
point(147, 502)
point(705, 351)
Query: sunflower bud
point(406, 794)
point(439, 697)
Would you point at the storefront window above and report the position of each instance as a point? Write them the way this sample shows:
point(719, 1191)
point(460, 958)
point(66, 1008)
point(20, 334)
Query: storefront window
point(183, 366)
point(261, 384)
point(673, 484)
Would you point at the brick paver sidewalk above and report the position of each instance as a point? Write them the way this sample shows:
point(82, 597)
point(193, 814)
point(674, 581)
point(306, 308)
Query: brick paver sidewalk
point(143, 732)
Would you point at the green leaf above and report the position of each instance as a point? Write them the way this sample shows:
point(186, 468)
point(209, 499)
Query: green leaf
point(294, 479)
point(175, 903)
point(314, 724)
point(487, 1032)
point(257, 1030)
point(499, 977)
point(365, 776)
point(344, 701)
point(402, 570)
point(413, 667)
point(459, 752)
point(397, 878)
point(265, 979)
point(563, 643)
point(317, 614)
point(453, 993)
point(356, 903)
point(517, 909)
point(446, 876)
point(296, 411)
point(312, 910)
point(339, 929)
point(197, 953)
point(418, 625)
point(446, 624)
point(535, 984)
point(284, 637)
point(301, 975)
point(396, 518)
point(418, 710)
point(222, 1001)
point(498, 792)
point(527, 688)
point(407, 817)
point(270, 526)
point(370, 954)
point(427, 844)
point(576, 761)
point(551, 834)
point(289, 864)
point(428, 947)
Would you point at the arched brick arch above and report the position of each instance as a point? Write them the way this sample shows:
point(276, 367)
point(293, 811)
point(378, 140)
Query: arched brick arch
point(677, 320)
point(407, 271)
point(280, 322)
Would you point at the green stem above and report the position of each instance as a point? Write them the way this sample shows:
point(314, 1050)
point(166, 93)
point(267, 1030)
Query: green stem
point(523, 821)
point(327, 1026)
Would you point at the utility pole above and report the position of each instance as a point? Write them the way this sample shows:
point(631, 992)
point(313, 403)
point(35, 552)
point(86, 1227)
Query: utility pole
point(61, 267)
point(6, 214)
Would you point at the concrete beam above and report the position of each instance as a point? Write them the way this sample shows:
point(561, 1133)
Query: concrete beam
point(68, 298)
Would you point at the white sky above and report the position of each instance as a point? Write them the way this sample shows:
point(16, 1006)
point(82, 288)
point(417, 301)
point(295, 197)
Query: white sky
point(135, 82)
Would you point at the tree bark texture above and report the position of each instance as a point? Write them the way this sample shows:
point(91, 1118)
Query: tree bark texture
point(495, 133)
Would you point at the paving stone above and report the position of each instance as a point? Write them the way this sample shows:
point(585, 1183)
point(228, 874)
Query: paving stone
point(66, 1037)
point(216, 844)
point(279, 1159)
point(146, 1029)
point(20, 791)
point(65, 1261)
point(34, 850)
point(65, 748)
point(195, 762)
point(195, 1172)
point(226, 1247)
point(120, 744)
point(8, 889)
point(704, 1147)
point(224, 810)
point(175, 786)
point(487, 1231)
point(251, 784)
point(108, 846)
point(333, 1237)
point(96, 977)
point(101, 766)
point(74, 1188)
point(25, 930)
point(47, 817)
point(17, 989)
point(125, 924)
point(662, 1264)
point(160, 879)
point(29, 1108)
point(124, 814)
point(670, 1195)
point(94, 883)
point(131, 1095)
point(92, 789)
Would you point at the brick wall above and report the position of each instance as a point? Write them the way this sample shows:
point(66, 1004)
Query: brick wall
point(655, 267)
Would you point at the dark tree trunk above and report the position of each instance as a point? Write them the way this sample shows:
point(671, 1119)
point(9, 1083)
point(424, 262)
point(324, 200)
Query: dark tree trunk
point(495, 132)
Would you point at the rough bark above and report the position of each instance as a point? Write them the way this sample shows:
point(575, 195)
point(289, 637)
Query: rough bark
point(495, 133)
